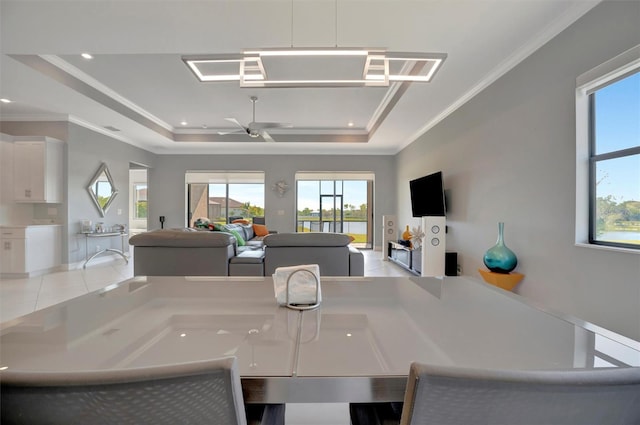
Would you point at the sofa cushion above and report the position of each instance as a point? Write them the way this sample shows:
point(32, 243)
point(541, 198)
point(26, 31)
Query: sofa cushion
point(260, 230)
point(248, 257)
point(248, 231)
point(306, 239)
point(245, 230)
point(182, 238)
point(239, 236)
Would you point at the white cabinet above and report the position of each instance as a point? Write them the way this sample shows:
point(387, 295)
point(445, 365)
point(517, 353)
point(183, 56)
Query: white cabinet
point(13, 244)
point(26, 250)
point(38, 170)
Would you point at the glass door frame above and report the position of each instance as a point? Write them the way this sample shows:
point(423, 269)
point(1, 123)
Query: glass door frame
point(333, 220)
point(331, 181)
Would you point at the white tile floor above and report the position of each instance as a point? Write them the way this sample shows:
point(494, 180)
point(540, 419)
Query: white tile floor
point(22, 296)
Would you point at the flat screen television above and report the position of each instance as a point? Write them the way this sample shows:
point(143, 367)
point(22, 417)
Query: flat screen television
point(427, 196)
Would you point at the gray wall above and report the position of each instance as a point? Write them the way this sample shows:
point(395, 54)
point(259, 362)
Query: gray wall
point(167, 189)
point(85, 151)
point(509, 155)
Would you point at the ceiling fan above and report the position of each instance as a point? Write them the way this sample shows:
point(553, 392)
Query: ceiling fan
point(255, 129)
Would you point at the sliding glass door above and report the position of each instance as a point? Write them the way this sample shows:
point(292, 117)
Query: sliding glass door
point(221, 197)
point(333, 205)
point(332, 213)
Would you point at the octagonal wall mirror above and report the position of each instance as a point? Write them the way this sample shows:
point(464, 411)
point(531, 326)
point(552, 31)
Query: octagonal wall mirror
point(102, 190)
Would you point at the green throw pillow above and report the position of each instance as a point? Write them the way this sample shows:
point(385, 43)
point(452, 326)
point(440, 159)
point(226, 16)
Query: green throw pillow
point(239, 238)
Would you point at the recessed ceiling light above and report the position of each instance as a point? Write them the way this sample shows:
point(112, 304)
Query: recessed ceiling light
point(184, 123)
point(3, 100)
point(350, 124)
point(87, 56)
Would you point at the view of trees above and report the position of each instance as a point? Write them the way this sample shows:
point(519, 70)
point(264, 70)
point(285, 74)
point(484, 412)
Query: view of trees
point(351, 213)
point(141, 209)
point(252, 210)
point(611, 215)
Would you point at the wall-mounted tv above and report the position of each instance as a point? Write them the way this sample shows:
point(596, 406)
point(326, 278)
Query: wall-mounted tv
point(427, 196)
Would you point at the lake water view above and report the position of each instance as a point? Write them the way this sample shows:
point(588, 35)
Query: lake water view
point(619, 236)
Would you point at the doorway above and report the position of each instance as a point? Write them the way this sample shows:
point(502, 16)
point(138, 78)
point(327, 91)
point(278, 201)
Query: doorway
point(138, 212)
point(335, 203)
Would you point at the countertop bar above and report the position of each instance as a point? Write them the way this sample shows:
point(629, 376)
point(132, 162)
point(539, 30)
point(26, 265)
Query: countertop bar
point(356, 347)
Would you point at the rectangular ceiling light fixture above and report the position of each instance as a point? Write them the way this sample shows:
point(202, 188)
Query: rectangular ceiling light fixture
point(359, 67)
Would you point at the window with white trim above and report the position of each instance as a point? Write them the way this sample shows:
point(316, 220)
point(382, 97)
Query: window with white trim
point(608, 154)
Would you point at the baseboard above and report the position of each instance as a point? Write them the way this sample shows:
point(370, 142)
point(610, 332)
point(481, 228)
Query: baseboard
point(35, 273)
point(102, 259)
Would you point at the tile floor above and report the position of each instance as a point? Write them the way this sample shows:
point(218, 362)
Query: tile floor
point(22, 296)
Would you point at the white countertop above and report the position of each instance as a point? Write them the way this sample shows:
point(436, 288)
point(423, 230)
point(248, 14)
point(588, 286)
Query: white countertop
point(369, 328)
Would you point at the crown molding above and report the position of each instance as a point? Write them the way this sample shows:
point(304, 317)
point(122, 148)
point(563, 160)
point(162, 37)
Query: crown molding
point(554, 28)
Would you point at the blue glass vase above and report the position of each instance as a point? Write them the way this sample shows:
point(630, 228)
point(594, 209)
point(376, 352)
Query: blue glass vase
point(499, 258)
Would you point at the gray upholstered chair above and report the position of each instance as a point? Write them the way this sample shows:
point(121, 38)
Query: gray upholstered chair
point(205, 392)
point(451, 395)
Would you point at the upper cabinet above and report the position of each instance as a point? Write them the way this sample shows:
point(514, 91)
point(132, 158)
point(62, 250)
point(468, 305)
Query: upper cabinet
point(38, 170)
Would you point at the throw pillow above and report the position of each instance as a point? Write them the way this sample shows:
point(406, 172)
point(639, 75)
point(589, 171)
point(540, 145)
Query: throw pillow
point(239, 239)
point(216, 227)
point(241, 221)
point(260, 230)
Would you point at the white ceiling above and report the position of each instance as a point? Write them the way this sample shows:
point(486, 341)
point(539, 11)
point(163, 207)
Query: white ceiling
point(138, 83)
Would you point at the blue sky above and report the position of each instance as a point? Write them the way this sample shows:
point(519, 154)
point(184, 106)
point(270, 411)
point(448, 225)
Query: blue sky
point(618, 127)
point(355, 193)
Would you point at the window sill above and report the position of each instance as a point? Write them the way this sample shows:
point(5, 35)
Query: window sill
point(608, 248)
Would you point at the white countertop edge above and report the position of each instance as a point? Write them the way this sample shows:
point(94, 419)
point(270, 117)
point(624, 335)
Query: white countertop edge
point(564, 316)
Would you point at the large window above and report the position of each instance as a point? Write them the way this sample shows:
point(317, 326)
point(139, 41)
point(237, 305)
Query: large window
point(608, 149)
point(615, 163)
point(221, 197)
point(335, 203)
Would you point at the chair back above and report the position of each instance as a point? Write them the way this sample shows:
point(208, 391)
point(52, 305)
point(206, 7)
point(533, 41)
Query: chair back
point(205, 392)
point(448, 395)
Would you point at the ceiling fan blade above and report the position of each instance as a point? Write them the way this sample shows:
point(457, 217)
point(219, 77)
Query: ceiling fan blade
point(261, 125)
point(267, 137)
point(236, 122)
point(224, 133)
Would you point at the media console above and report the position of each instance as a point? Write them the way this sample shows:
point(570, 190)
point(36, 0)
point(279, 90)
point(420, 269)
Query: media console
point(411, 259)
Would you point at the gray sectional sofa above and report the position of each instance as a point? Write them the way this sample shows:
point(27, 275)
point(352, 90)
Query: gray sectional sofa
point(185, 252)
point(182, 252)
point(331, 251)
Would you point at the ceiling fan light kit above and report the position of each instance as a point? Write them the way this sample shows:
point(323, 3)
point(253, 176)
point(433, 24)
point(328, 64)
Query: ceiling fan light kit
point(361, 67)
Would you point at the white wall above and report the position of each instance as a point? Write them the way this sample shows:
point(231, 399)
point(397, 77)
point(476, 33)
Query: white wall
point(509, 155)
point(87, 150)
